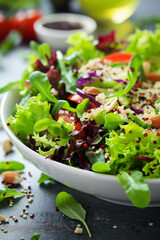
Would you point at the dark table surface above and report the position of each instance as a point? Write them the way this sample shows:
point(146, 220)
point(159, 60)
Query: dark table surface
point(105, 220)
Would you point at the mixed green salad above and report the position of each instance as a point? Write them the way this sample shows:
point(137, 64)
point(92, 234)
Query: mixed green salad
point(96, 108)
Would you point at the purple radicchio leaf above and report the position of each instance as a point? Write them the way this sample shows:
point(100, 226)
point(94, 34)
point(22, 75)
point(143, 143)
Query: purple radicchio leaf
point(137, 111)
point(54, 77)
point(144, 158)
point(117, 80)
point(88, 78)
point(86, 95)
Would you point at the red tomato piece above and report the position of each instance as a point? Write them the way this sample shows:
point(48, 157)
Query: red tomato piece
point(4, 27)
point(75, 98)
point(69, 117)
point(23, 22)
point(119, 57)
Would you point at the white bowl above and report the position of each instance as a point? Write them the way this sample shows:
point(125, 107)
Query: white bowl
point(100, 185)
point(57, 38)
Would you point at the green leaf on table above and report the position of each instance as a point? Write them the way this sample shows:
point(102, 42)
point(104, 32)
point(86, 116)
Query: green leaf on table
point(112, 121)
point(11, 166)
point(100, 167)
point(41, 82)
point(9, 193)
point(44, 178)
point(35, 236)
point(135, 64)
point(68, 205)
point(135, 187)
point(67, 75)
point(81, 107)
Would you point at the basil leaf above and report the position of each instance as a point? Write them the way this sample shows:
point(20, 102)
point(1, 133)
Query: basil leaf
point(100, 167)
point(112, 121)
point(11, 166)
point(9, 193)
point(35, 236)
point(44, 178)
point(68, 205)
point(135, 187)
point(81, 107)
point(67, 75)
point(41, 82)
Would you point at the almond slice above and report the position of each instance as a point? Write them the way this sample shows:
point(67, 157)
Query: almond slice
point(91, 90)
point(155, 121)
point(153, 76)
point(12, 177)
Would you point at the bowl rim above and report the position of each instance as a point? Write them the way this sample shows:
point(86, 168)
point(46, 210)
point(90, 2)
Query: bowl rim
point(89, 24)
point(90, 174)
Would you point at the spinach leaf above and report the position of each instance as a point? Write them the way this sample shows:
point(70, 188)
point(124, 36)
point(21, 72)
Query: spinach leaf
point(35, 236)
point(112, 121)
point(68, 205)
point(59, 104)
point(67, 75)
point(9, 193)
point(100, 167)
point(43, 124)
point(41, 82)
point(44, 178)
point(95, 157)
point(135, 187)
point(81, 107)
point(135, 64)
point(11, 166)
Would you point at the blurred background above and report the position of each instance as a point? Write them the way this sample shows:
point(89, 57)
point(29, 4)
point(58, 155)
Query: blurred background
point(17, 17)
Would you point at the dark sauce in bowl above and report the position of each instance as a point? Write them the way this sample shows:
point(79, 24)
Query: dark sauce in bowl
point(64, 25)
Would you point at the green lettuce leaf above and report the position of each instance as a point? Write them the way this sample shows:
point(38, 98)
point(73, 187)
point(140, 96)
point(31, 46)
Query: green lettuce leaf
point(112, 121)
point(135, 187)
point(22, 123)
point(83, 46)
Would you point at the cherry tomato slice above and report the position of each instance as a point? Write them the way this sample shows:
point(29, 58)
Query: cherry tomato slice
point(70, 117)
point(75, 98)
point(120, 57)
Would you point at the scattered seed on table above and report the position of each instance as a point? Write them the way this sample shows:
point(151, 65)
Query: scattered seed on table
point(26, 212)
point(32, 195)
point(30, 200)
point(25, 216)
point(7, 221)
point(21, 214)
point(5, 231)
point(32, 216)
point(150, 224)
point(22, 238)
point(114, 226)
point(2, 229)
point(27, 206)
